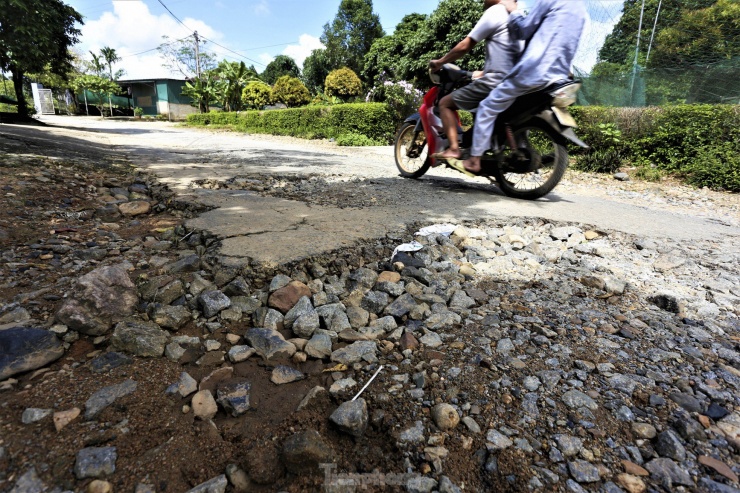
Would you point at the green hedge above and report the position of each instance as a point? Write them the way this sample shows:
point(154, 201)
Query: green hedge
point(373, 120)
point(700, 143)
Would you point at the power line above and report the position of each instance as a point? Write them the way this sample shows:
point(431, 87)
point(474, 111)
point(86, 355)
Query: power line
point(174, 16)
point(155, 49)
point(234, 52)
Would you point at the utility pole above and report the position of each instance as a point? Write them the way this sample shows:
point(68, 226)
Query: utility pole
point(197, 54)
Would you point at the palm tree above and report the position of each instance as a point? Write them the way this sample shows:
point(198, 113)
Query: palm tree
point(97, 65)
point(110, 56)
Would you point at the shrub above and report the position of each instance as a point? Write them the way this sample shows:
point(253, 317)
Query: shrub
point(343, 83)
point(400, 96)
point(372, 120)
point(606, 153)
point(716, 167)
point(290, 91)
point(355, 140)
point(696, 142)
point(257, 95)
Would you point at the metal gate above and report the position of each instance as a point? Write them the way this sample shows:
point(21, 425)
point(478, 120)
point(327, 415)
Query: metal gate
point(47, 101)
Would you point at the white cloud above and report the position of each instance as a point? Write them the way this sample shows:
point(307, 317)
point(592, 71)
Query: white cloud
point(301, 51)
point(265, 58)
point(261, 8)
point(131, 28)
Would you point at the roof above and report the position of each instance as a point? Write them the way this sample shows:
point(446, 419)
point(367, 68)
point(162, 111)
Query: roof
point(149, 81)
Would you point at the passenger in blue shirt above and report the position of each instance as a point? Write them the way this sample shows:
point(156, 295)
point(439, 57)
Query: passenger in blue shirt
point(552, 31)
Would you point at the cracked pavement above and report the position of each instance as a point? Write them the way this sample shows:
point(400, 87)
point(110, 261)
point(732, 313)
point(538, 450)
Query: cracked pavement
point(256, 225)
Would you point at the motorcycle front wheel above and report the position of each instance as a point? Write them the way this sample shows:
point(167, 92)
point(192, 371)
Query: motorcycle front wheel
point(533, 169)
point(410, 149)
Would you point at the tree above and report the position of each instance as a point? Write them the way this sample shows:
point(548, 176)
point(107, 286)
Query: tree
point(179, 56)
point(704, 36)
point(290, 91)
point(315, 69)
point(110, 56)
point(202, 90)
point(257, 95)
point(34, 34)
point(351, 34)
point(418, 39)
point(391, 54)
point(97, 65)
point(231, 77)
point(101, 87)
point(280, 66)
point(344, 84)
point(619, 46)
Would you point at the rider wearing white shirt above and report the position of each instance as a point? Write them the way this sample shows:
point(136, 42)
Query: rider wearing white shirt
point(501, 54)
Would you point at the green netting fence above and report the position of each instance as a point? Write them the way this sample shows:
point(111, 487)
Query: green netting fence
point(717, 83)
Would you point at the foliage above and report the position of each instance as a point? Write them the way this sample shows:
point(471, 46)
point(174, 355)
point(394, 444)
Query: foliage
point(101, 87)
point(138, 111)
point(418, 39)
point(315, 70)
point(351, 34)
point(290, 91)
point(35, 34)
point(373, 120)
point(256, 95)
point(694, 55)
point(619, 46)
point(230, 79)
point(179, 56)
point(677, 140)
point(344, 84)
point(392, 54)
point(280, 66)
point(355, 140)
point(202, 91)
point(606, 153)
point(110, 56)
point(400, 96)
point(716, 167)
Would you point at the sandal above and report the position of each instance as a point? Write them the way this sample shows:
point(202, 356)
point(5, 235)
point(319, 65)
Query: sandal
point(439, 156)
point(458, 165)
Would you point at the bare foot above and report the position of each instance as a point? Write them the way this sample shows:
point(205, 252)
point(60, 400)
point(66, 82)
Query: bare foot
point(472, 164)
point(448, 154)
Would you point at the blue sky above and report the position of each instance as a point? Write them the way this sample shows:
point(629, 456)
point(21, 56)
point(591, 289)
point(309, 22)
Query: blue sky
point(254, 30)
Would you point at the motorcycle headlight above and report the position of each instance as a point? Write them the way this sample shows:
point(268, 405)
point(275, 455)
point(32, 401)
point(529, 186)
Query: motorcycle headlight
point(566, 95)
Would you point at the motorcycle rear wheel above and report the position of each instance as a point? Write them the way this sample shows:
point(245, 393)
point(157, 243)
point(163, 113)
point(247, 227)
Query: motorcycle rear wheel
point(541, 151)
point(411, 152)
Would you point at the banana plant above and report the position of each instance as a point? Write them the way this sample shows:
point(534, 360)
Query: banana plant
point(202, 91)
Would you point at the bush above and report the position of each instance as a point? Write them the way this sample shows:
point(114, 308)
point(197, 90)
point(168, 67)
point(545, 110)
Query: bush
point(401, 96)
point(257, 95)
point(678, 140)
point(372, 120)
point(715, 167)
point(355, 140)
point(290, 91)
point(343, 83)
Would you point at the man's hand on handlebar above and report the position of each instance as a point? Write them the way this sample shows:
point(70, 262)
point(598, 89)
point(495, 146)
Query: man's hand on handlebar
point(435, 65)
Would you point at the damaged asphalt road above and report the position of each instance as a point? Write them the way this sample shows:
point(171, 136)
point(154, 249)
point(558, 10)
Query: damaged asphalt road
point(346, 195)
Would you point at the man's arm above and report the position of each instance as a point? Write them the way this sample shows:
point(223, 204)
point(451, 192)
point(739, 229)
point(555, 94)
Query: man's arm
point(523, 27)
point(462, 48)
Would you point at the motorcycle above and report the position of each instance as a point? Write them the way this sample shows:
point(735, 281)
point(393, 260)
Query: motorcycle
point(528, 154)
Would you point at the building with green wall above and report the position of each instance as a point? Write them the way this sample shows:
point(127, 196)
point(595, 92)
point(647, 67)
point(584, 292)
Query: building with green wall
point(159, 97)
